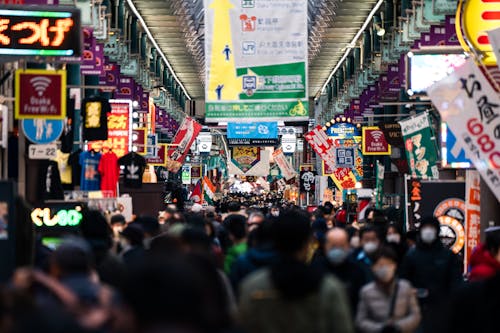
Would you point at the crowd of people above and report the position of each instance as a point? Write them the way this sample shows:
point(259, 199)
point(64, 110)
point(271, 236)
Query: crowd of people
point(253, 271)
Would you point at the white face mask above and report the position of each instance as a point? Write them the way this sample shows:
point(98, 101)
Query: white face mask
point(355, 242)
point(428, 235)
point(393, 238)
point(370, 247)
point(384, 273)
point(337, 255)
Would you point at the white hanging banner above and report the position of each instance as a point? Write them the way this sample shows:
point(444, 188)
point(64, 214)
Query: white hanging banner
point(286, 168)
point(494, 37)
point(471, 108)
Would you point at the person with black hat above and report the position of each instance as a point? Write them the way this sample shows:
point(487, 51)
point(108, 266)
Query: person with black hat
point(433, 270)
point(131, 240)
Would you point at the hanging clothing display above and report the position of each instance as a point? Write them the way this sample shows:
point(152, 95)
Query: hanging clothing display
point(134, 165)
point(64, 167)
point(90, 178)
point(68, 133)
point(49, 185)
point(109, 171)
point(95, 118)
point(76, 168)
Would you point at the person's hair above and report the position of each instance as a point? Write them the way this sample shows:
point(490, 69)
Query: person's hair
point(258, 214)
point(210, 215)
point(292, 231)
point(96, 230)
point(197, 240)
point(395, 227)
point(73, 257)
point(236, 225)
point(149, 225)
point(368, 229)
point(385, 252)
point(118, 218)
point(412, 235)
point(492, 242)
point(134, 234)
point(234, 206)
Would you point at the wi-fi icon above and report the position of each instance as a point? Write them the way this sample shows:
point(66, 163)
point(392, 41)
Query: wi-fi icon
point(376, 135)
point(40, 84)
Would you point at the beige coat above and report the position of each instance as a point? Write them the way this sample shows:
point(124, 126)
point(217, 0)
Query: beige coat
point(374, 307)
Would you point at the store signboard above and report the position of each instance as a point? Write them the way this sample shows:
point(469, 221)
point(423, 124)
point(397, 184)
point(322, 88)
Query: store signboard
point(307, 181)
point(452, 153)
point(40, 94)
point(139, 140)
point(471, 108)
point(472, 213)
point(40, 31)
point(120, 126)
point(186, 174)
point(286, 168)
point(160, 159)
point(322, 145)
point(374, 142)
point(256, 130)
point(256, 60)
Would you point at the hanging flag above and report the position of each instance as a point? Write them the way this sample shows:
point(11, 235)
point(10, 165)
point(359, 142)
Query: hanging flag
point(471, 108)
point(208, 191)
point(420, 146)
point(286, 168)
point(380, 170)
point(196, 194)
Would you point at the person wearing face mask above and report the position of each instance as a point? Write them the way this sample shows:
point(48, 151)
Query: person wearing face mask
point(434, 271)
point(395, 240)
point(338, 262)
point(387, 305)
point(370, 242)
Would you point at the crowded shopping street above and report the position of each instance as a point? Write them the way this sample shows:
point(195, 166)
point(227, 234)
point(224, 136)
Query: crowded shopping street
point(249, 166)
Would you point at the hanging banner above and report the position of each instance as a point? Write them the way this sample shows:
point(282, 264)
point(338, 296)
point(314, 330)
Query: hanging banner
point(181, 143)
point(256, 130)
point(392, 133)
point(40, 94)
point(472, 213)
point(286, 168)
point(322, 145)
point(471, 108)
point(160, 159)
point(120, 127)
point(379, 184)
point(307, 181)
point(494, 38)
point(139, 140)
point(374, 142)
point(256, 55)
point(186, 174)
point(420, 144)
point(259, 167)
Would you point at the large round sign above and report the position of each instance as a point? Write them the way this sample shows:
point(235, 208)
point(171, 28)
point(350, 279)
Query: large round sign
point(42, 131)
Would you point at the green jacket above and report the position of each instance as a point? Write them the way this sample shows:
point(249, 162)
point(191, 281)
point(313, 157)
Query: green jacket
point(262, 310)
point(233, 254)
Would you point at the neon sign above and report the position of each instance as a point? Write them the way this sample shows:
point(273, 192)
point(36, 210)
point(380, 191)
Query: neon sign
point(40, 32)
point(63, 218)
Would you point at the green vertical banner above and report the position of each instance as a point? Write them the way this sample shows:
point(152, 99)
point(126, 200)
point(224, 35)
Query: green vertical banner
point(256, 58)
point(379, 172)
point(420, 147)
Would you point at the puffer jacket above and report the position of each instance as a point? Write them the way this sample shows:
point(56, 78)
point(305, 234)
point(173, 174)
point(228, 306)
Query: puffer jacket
point(482, 264)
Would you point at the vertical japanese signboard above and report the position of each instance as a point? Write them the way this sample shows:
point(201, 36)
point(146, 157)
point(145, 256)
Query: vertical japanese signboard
point(379, 172)
point(256, 60)
point(420, 146)
point(181, 143)
point(472, 213)
point(471, 108)
point(120, 126)
point(286, 168)
point(322, 145)
point(40, 94)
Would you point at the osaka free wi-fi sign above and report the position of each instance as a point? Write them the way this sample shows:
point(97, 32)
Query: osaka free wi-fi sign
point(40, 94)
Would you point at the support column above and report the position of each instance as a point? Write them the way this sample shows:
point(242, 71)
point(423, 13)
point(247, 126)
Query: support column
point(490, 208)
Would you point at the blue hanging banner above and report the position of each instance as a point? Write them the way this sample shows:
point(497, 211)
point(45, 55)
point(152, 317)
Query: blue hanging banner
point(255, 130)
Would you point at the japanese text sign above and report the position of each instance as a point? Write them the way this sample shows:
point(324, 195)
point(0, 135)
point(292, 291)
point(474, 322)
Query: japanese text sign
point(286, 168)
point(472, 213)
point(119, 126)
point(39, 31)
point(40, 94)
point(161, 158)
point(322, 145)
point(471, 108)
point(420, 146)
point(374, 142)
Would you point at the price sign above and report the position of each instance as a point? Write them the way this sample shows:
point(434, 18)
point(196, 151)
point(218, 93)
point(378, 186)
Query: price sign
point(42, 152)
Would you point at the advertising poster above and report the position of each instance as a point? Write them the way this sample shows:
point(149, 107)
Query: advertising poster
point(471, 108)
point(181, 143)
point(472, 213)
point(258, 167)
point(286, 168)
point(420, 146)
point(256, 60)
point(307, 181)
point(322, 145)
point(444, 200)
point(40, 94)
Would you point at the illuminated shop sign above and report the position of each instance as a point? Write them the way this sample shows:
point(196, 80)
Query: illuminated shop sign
point(47, 217)
point(39, 31)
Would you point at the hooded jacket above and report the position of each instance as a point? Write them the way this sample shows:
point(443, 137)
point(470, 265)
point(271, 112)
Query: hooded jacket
point(482, 264)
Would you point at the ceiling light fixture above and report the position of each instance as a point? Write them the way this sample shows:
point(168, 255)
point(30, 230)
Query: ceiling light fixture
point(157, 47)
point(353, 42)
point(379, 29)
